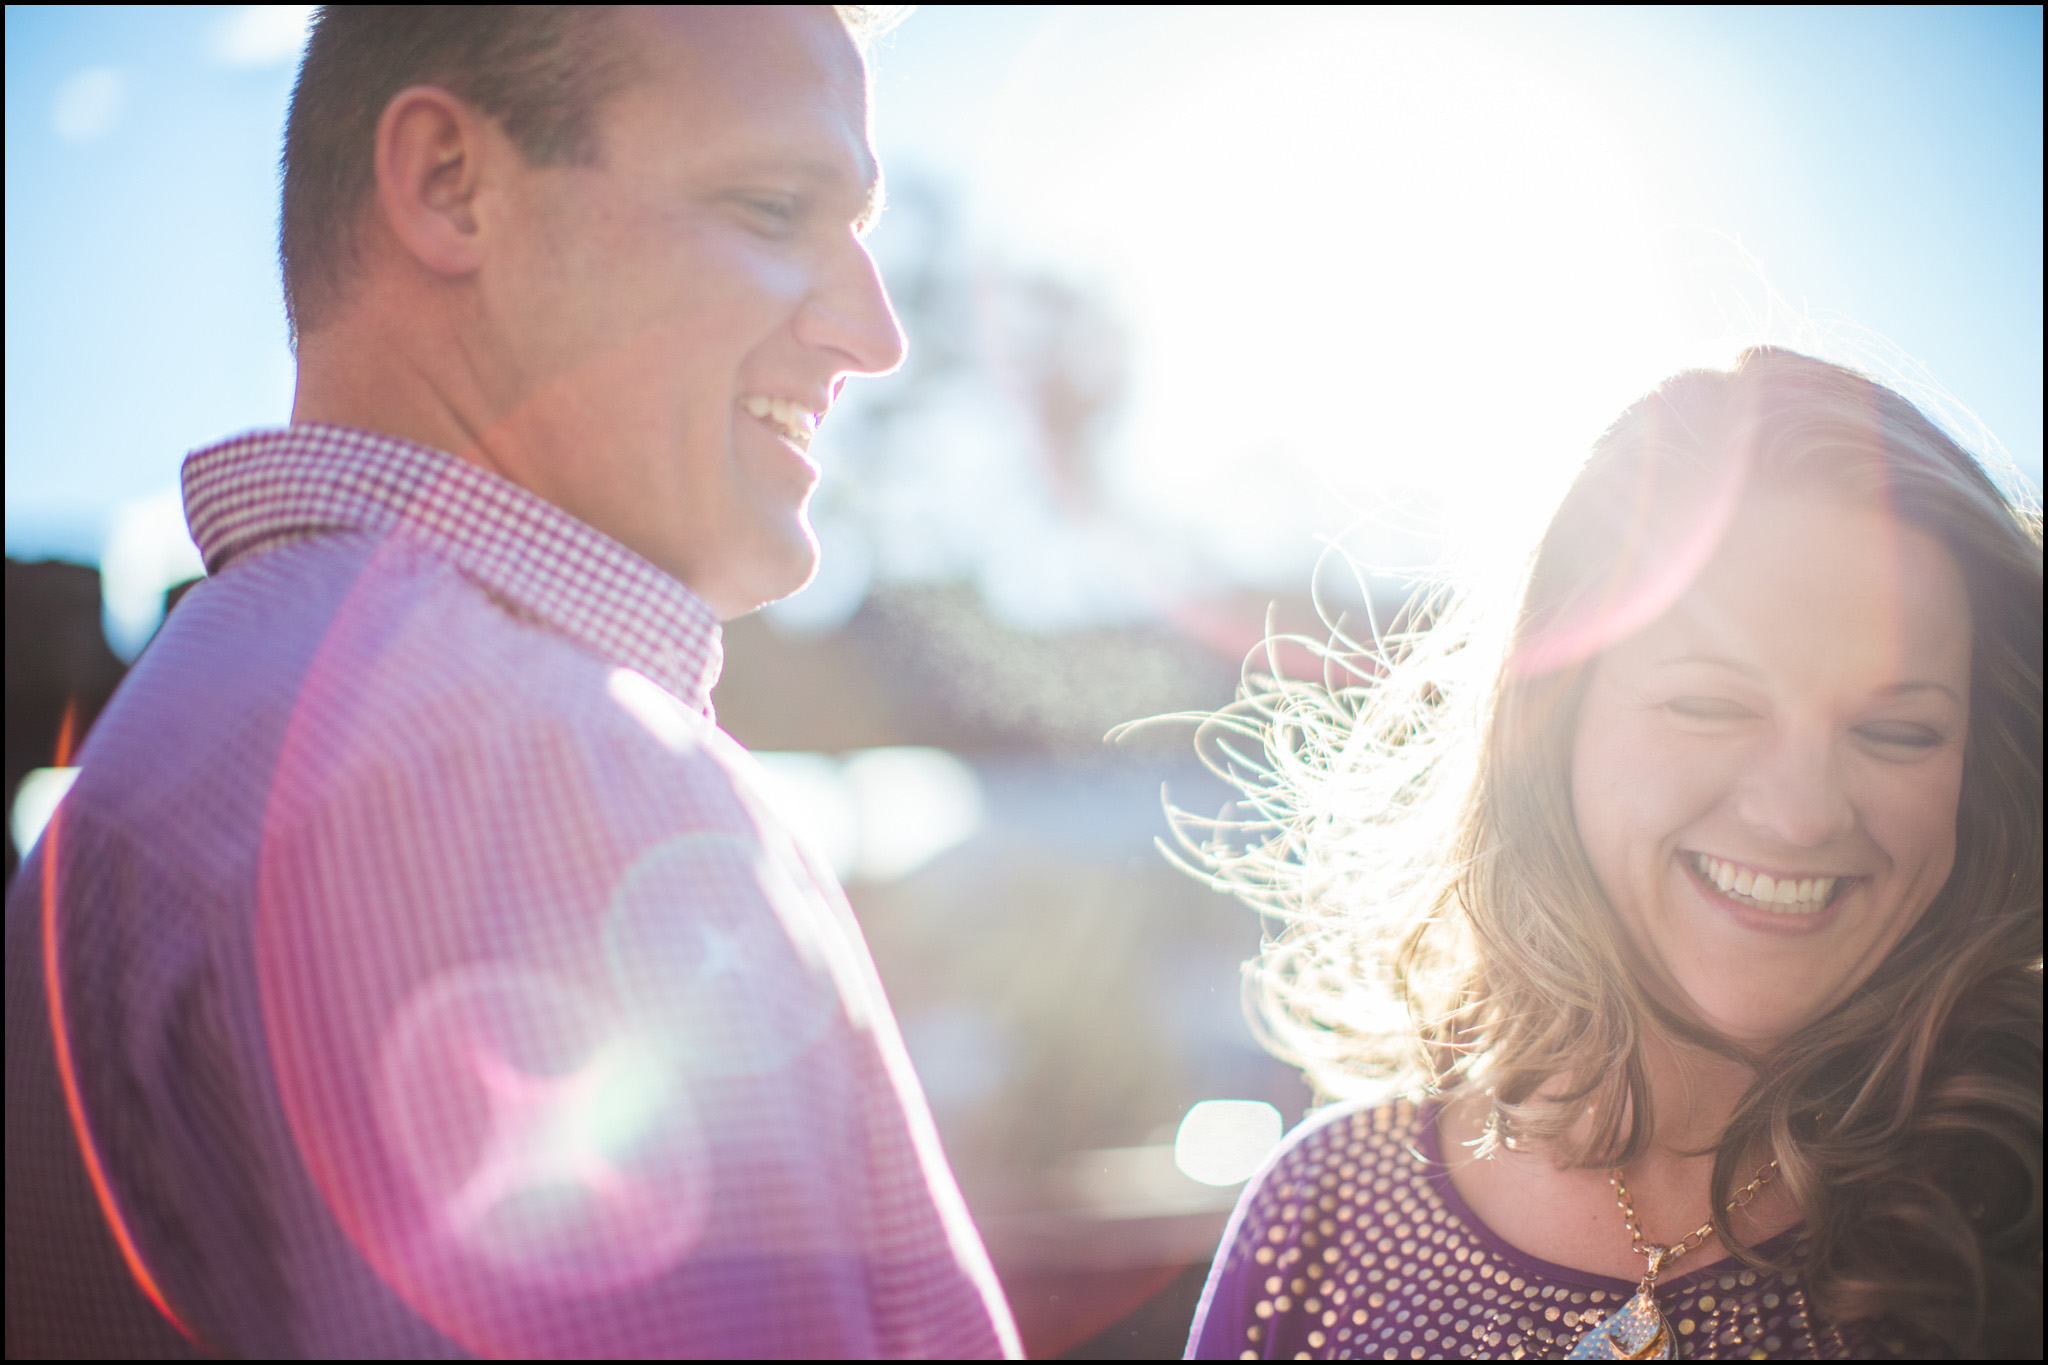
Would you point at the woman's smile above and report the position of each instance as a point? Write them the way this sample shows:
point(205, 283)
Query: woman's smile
point(1813, 911)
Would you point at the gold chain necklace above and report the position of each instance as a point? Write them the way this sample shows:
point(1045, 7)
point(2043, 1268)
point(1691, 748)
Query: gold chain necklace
point(1638, 1329)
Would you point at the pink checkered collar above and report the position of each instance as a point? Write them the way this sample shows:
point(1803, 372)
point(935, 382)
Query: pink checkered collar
point(268, 488)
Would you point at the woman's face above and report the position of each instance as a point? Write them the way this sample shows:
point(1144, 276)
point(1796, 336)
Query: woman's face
point(1765, 778)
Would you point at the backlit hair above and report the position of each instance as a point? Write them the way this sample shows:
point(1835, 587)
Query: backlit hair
point(1439, 925)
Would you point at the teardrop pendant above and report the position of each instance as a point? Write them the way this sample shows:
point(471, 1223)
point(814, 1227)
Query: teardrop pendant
point(1635, 1331)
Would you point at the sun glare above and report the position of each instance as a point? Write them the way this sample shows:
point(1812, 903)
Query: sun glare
point(1390, 261)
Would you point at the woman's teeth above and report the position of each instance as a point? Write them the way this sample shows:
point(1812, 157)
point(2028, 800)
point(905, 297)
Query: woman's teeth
point(1801, 896)
point(797, 423)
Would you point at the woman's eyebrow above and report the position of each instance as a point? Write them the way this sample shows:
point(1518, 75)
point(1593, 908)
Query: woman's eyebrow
point(1896, 688)
point(1718, 660)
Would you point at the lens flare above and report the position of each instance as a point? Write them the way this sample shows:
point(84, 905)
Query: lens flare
point(67, 1068)
point(693, 926)
point(1665, 540)
point(542, 1136)
point(1221, 1142)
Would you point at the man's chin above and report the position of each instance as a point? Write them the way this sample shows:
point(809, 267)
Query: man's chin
point(772, 579)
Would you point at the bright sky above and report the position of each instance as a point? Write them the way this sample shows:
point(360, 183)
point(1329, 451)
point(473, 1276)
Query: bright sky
point(1420, 254)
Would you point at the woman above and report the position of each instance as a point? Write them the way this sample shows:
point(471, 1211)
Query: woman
point(1696, 928)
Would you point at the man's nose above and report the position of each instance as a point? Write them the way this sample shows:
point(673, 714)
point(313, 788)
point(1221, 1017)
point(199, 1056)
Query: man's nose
point(1795, 793)
point(851, 315)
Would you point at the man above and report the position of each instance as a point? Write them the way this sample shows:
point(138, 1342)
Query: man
point(415, 968)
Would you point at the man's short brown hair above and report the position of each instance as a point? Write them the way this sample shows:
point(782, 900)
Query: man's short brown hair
point(542, 71)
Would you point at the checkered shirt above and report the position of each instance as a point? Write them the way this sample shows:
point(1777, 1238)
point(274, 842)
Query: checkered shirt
point(415, 969)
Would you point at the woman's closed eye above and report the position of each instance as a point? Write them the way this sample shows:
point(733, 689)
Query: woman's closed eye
point(1708, 708)
point(1900, 734)
point(1893, 735)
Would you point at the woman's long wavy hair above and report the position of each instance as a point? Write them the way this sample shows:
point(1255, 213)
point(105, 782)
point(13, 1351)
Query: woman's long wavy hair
point(1440, 925)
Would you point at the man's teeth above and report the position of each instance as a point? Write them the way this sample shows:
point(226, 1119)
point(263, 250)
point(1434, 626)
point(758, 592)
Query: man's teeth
point(1801, 896)
point(786, 415)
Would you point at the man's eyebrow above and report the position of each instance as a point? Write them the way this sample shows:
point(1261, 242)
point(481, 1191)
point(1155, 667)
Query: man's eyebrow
point(1748, 671)
point(872, 203)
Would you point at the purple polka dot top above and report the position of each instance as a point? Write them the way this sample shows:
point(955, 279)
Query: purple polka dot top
point(1352, 1244)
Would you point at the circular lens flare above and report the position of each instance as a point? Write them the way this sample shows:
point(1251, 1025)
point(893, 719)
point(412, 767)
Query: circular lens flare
point(542, 1136)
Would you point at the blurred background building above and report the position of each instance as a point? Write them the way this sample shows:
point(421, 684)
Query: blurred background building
point(1191, 296)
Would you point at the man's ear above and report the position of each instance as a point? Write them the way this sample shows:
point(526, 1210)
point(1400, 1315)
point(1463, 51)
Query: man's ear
point(429, 159)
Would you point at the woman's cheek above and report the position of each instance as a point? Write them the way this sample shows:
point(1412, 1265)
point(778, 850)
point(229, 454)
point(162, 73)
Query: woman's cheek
point(1660, 785)
point(1702, 769)
point(1617, 784)
point(1664, 777)
point(1910, 811)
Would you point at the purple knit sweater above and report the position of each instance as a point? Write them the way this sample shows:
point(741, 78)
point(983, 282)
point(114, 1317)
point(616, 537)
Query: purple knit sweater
point(1352, 1244)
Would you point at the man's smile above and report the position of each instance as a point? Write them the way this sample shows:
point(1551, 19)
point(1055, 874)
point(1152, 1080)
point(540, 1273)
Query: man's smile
point(791, 419)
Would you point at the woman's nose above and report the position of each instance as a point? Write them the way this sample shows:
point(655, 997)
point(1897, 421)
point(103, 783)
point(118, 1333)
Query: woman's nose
point(1794, 792)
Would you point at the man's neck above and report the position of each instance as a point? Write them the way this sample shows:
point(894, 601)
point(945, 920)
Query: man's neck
point(353, 374)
